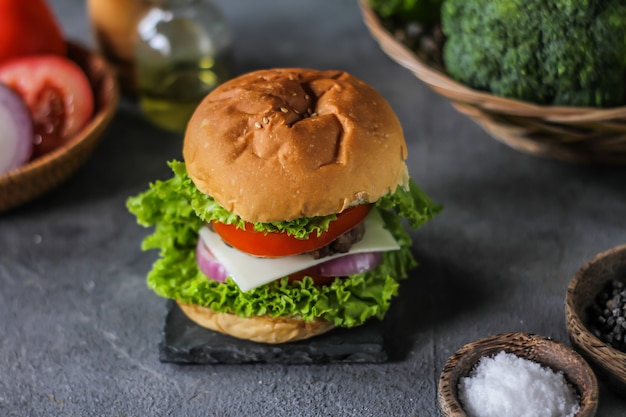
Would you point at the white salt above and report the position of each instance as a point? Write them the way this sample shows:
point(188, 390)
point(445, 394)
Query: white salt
point(506, 385)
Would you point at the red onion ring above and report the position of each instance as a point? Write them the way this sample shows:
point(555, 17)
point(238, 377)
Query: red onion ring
point(16, 125)
point(207, 263)
point(349, 265)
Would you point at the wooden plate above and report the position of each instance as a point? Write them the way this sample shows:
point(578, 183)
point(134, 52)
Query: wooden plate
point(43, 174)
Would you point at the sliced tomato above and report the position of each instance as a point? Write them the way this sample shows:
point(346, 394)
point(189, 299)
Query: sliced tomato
point(272, 245)
point(57, 93)
point(28, 27)
point(318, 280)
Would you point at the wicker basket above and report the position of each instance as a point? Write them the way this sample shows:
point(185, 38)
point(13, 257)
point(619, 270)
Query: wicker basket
point(45, 173)
point(582, 135)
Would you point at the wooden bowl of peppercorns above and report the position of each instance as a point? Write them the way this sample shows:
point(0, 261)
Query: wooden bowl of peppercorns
point(595, 314)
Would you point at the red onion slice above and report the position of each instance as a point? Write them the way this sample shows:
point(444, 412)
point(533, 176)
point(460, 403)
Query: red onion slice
point(16, 130)
point(208, 264)
point(349, 265)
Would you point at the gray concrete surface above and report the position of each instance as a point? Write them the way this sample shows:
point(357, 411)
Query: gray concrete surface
point(79, 330)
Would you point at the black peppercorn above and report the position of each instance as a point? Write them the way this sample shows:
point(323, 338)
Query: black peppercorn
point(607, 316)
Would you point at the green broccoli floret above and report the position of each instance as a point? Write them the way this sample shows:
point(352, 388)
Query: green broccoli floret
point(553, 52)
point(423, 11)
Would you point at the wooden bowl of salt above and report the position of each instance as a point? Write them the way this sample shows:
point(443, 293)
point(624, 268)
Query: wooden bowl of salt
point(503, 374)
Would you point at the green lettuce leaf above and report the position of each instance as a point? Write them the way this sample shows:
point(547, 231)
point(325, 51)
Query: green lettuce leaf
point(177, 210)
point(208, 209)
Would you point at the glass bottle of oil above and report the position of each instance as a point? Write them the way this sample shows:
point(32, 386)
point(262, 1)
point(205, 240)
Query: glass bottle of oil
point(183, 51)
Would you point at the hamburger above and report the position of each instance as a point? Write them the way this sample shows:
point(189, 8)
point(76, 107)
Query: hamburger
point(286, 216)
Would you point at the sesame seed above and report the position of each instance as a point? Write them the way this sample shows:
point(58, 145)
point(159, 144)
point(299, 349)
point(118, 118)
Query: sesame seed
point(284, 110)
point(296, 111)
point(266, 120)
point(257, 125)
point(306, 96)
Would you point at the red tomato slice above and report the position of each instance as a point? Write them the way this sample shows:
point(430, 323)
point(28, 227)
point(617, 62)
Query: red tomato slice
point(318, 280)
point(57, 93)
point(28, 27)
point(271, 245)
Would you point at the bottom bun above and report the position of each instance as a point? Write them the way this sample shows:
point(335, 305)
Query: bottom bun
point(262, 329)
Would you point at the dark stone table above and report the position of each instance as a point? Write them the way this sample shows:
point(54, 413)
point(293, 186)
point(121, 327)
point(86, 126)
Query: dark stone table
point(80, 330)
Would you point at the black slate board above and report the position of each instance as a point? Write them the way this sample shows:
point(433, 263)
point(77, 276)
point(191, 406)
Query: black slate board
point(184, 342)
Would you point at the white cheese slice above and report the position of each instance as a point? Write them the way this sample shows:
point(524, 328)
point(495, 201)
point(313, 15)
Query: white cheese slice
point(250, 271)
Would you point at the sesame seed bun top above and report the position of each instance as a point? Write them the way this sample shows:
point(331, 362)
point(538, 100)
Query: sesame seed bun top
point(281, 144)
